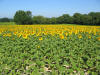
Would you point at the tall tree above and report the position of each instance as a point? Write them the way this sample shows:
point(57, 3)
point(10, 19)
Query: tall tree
point(22, 17)
point(95, 17)
point(39, 20)
point(53, 20)
point(86, 19)
point(77, 18)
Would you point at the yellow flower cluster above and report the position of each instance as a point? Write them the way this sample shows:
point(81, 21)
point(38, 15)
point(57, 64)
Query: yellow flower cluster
point(26, 30)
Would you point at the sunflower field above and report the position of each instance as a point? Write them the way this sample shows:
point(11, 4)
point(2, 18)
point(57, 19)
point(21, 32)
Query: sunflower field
point(49, 50)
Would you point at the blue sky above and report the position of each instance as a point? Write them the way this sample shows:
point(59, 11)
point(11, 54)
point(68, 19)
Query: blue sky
point(48, 8)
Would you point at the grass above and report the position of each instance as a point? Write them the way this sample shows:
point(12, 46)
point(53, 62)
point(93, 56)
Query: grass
point(13, 23)
point(7, 23)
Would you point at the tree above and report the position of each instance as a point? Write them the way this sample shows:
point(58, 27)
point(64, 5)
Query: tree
point(65, 19)
point(48, 21)
point(5, 20)
point(60, 20)
point(53, 20)
point(25, 17)
point(71, 20)
point(22, 17)
point(77, 18)
point(95, 17)
point(39, 20)
point(86, 19)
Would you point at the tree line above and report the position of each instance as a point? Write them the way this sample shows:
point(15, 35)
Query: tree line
point(5, 19)
point(25, 17)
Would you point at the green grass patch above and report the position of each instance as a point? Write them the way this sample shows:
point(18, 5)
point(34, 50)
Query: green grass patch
point(7, 23)
point(13, 23)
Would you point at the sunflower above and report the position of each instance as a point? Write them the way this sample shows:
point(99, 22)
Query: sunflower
point(40, 38)
point(79, 36)
point(98, 38)
point(61, 36)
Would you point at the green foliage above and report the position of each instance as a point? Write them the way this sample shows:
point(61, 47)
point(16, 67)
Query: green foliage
point(65, 19)
point(77, 18)
point(22, 17)
point(39, 20)
point(6, 19)
point(53, 20)
point(25, 18)
point(86, 19)
point(95, 17)
point(51, 56)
